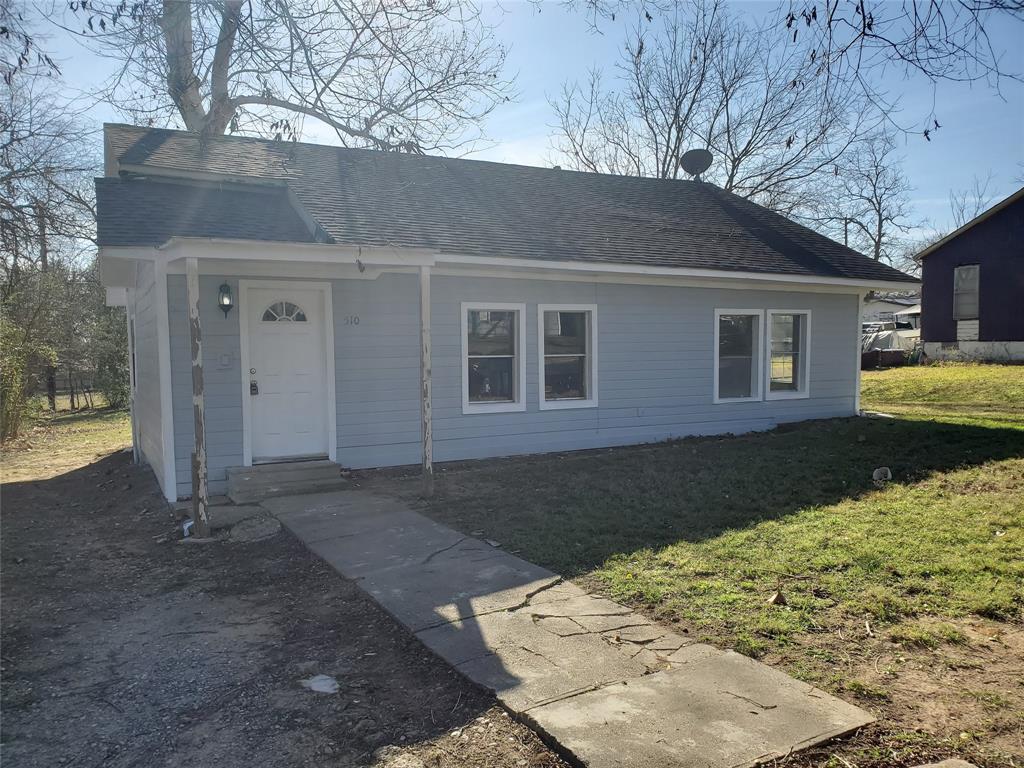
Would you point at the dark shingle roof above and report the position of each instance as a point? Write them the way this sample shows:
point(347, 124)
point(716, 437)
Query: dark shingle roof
point(476, 208)
point(150, 212)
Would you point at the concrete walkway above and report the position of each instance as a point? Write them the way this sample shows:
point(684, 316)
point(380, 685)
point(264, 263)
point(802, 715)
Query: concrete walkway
point(603, 682)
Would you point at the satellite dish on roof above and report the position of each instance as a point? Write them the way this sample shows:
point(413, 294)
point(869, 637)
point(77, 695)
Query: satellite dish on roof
point(695, 162)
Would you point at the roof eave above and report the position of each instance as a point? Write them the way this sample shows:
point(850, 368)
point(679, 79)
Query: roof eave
point(685, 272)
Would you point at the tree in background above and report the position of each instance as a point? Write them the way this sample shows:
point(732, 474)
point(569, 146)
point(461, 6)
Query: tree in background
point(860, 42)
point(412, 76)
point(870, 200)
point(51, 303)
point(703, 78)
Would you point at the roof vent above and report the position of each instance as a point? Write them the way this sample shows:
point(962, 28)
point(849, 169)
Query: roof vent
point(695, 162)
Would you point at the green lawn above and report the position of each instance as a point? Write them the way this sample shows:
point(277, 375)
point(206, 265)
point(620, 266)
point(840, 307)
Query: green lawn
point(52, 443)
point(704, 529)
point(701, 532)
point(989, 395)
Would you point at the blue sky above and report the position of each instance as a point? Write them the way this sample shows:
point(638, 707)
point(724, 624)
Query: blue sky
point(982, 131)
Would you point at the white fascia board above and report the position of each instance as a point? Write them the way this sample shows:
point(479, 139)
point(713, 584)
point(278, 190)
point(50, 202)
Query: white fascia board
point(261, 250)
point(117, 269)
point(609, 268)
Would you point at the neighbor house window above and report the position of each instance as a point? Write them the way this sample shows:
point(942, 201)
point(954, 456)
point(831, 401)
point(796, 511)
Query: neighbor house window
point(493, 377)
point(568, 355)
point(965, 292)
point(788, 358)
point(737, 354)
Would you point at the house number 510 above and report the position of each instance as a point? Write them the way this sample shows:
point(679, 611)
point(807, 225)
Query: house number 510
point(351, 319)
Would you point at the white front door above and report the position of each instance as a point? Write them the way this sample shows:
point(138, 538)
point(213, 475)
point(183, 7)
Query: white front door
point(287, 382)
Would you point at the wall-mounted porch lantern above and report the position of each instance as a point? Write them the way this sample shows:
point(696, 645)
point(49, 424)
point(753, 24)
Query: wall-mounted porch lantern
point(224, 300)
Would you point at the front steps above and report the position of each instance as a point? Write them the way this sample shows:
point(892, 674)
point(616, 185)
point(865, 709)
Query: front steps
point(263, 481)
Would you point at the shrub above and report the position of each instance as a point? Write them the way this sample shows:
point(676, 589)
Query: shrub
point(16, 357)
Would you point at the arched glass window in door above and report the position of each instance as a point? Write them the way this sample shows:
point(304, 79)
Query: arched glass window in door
point(284, 311)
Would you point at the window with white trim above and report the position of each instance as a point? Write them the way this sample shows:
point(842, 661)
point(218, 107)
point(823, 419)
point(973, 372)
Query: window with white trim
point(492, 367)
point(788, 353)
point(965, 292)
point(568, 367)
point(737, 375)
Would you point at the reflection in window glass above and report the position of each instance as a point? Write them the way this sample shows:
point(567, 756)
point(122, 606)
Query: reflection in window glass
point(566, 351)
point(492, 346)
point(737, 349)
point(787, 339)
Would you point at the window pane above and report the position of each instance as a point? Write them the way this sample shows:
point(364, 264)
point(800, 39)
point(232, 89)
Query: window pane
point(965, 292)
point(565, 333)
point(786, 343)
point(736, 355)
point(491, 333)
point(565, 378)
point(491, 379)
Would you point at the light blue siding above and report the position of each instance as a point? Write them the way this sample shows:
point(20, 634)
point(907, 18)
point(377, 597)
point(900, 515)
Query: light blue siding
point(146, 404)
point(655, 370)
point(222, 379)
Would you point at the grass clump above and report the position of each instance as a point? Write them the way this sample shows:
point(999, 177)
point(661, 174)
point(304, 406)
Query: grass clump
point(927, 636)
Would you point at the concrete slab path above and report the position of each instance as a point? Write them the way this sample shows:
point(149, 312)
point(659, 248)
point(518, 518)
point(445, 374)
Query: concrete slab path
point(603, 682)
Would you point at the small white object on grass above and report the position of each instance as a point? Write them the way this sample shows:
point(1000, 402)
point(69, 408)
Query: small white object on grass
point(321, 684)
point(881, 475)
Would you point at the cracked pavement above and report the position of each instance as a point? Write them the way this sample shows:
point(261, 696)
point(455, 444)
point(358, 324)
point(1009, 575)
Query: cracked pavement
point(605, 684)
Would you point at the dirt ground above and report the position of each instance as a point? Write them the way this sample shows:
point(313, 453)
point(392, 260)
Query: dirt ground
point(122, 646)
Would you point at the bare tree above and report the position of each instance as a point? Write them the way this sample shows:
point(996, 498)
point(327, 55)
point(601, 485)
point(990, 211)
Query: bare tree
point(873, 199)
point(656, 105)
point(966, 204)
point(20, 51)
point(704, 79)
point(412, 76)
point(941, 39)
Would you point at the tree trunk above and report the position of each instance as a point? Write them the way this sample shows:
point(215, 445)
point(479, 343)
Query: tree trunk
point(44, 265)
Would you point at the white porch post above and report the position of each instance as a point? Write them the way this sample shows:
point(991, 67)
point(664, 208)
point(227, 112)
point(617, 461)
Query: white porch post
point(425, 387)
point(200, 498)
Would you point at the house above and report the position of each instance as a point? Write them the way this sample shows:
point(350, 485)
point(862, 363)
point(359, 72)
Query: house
point(973, 287)
point(884, 307)
point(380, 309)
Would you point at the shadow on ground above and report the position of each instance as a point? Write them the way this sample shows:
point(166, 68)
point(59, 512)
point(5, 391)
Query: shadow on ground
point(571, 512)
point(123, 647)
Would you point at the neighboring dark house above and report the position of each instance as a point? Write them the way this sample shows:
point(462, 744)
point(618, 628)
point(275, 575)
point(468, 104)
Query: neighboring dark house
point(972, 304)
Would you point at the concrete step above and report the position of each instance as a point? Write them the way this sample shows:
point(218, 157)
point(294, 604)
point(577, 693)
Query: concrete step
point(283, 468)
point(253, 484)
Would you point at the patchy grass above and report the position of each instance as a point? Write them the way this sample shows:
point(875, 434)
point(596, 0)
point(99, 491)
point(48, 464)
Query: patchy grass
point(965, 393)
point(52, 444)
point(922, 636)
point(886, 588)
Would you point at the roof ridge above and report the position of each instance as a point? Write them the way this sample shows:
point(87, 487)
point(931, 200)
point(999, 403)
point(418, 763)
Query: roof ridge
point(404, 155)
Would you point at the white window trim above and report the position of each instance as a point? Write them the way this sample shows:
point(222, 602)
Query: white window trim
point(519, 379)
point(756, 396)
point(591, 400)
point(804, 375)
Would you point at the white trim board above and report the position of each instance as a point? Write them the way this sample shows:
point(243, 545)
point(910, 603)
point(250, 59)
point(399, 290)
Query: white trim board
point(400, 256)
point(519, 404)
point(329, 360)
point(163, 334)
point(591, 400)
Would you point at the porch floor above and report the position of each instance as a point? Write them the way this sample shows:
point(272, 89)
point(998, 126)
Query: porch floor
point(604, 683)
